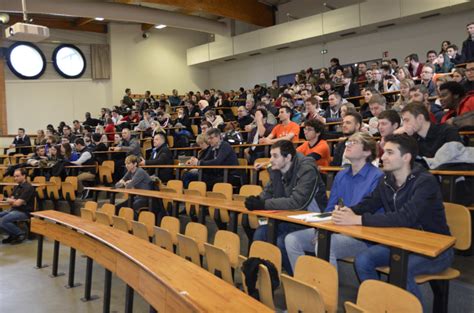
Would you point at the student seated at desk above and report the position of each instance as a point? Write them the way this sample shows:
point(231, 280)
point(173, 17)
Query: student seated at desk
point(21, 140)
point(295, 184)
point(160, 155)
point(22, 202)
point(135, 178)
point(192, 175)
point(350, 185)
point(221, 153)
point(410, 197)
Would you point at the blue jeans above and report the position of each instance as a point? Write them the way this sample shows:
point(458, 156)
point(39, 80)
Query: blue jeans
point(379, 255)
point(299, 242)
point(7, 222)
point(283, 229)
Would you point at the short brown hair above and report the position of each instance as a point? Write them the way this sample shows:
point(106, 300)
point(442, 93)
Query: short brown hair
point(417, 108)
point(378, 98)
point(131, 159)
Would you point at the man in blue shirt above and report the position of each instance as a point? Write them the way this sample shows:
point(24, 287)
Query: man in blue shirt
point(351, 185)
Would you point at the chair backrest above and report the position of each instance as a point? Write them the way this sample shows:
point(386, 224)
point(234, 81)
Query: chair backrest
point(147, 218)
point(103, 218)
point(170, 140)
point(264, 286)
point(199, 233)
point(263, 177)
point(218, 262)
point(243, 161)
point(459, 222)
point(128, 215)
point(164, 239)
point(172, 225)
point(322, 275)
point(53, 189)
point(108, 208)
point(198, 186)
point(379, 296)
point(230, 243)
point(73, 181)
point(224, 214)
point(110, 164)
point(301, 297)
point(140, 230)
point(91, 205)
point(250, 190)
point(120, 223)
point(195, 130)
point(87, 214)
point(176, 185)
point(188, 248)
point(225, 188)
point(68, 191)
point(105, 175)
point(266, 251)
point(188, 205)
point(40, 190)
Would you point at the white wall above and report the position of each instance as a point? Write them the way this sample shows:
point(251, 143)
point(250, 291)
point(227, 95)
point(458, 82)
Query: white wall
point(34, 104)
point(399, 41)
point(157, 64)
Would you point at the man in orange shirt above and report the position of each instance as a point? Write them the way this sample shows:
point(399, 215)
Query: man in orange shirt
point(285, 130)
point(315, 147)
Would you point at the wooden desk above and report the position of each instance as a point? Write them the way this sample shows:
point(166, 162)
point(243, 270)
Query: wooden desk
point(225, 168)
point(402, 241)
point(166, 281)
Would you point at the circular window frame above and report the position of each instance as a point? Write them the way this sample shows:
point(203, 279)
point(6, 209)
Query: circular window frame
point(12, 68)
point(56, 67)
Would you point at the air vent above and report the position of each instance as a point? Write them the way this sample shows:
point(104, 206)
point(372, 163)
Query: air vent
point(231, 59)
point(386, 25)
point(429, 16)
point(347, 34)
point(254, 54)
point(283, 48)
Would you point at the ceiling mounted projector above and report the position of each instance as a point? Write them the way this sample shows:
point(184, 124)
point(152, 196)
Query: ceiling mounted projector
point(26, 32)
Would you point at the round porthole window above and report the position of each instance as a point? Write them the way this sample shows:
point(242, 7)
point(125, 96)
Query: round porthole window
point(26, 60)
point(69, 61)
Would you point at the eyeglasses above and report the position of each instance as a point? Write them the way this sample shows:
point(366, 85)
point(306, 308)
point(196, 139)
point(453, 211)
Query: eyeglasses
point(469, 69)
point(351, 143)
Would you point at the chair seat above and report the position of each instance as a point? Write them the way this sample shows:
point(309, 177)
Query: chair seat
point(447, 274)
point(348, 260)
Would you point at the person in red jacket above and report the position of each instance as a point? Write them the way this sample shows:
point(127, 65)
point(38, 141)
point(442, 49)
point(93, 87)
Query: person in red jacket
point(454, 98)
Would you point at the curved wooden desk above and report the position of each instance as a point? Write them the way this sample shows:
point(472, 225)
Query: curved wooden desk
point(166, 281)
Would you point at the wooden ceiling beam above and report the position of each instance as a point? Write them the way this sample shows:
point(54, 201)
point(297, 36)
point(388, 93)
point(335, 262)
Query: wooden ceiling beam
point(83, 21)
point(147, 27)
point(249, 11)
point(63, 24)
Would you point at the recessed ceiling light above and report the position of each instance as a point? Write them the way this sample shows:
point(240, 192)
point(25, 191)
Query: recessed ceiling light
point(99, 19)
point(161, 26)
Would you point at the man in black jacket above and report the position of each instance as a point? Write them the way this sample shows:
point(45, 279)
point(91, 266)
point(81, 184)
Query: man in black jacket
point(21, 140)
point(160, 155)
point(467, 52)
point(410, 197)
point(221, 153)
point(430, 137)
point(351, 124)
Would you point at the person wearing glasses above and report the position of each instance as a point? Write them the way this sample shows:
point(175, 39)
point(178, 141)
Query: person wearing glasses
point(221, 153)
point(350, 186)
point(315, 146)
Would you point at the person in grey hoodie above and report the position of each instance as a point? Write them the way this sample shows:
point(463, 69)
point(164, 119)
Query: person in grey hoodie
point(295, 184)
